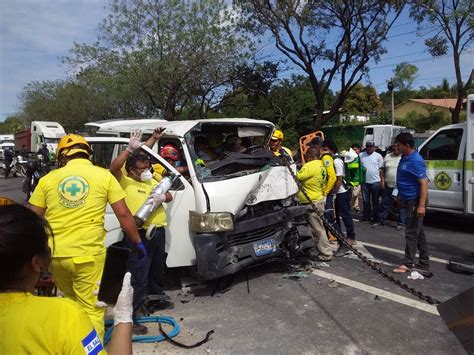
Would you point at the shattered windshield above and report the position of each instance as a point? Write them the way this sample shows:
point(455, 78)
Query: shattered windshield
point(222, 151)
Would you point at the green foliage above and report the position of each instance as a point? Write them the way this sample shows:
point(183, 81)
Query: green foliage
point(363, 100)
point(421, 123)
point(161, 57)
point(381, 118)
point(11, 125)
point(404, 76)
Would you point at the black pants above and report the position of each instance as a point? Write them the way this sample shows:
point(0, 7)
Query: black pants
point(414, 236)
point(8, 167)
point(148, 279)
point(343, 210)
point(370, 201)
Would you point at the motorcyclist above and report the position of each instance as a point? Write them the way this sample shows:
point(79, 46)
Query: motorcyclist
point(8, 156)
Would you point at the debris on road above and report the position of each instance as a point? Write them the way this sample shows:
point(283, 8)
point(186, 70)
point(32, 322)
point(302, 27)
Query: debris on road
point(333, 284)
point(415, 275)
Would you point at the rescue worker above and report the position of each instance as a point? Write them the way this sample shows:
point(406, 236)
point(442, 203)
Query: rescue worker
point(46, 325)
point(137, 182)
point(313, 179)
point(276, 147)
point(73, 200)
point(171, 154)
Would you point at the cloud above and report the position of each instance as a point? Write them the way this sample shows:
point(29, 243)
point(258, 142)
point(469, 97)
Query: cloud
point(34, 34)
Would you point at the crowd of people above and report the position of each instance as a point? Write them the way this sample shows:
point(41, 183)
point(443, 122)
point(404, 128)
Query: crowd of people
point(65, 227)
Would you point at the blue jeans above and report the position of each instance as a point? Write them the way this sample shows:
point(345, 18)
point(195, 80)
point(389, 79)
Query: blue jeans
point(329, 209)
point(387, 201)
point(370, 200)
point(343, 210)
point(148, 279)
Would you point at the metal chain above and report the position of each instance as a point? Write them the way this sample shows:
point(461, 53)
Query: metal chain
point(362, 257)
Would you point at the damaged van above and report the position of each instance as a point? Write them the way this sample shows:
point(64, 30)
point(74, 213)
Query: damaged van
point(233, 204)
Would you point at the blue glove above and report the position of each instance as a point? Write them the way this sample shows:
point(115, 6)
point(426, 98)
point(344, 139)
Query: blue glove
point(141, 253)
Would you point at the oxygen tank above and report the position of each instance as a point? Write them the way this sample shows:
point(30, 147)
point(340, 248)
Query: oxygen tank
point(149, 206)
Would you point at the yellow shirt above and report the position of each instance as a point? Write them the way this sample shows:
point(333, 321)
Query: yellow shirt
point(137, 193)
point(287, 150)
point(328, 163)
point(75, 197)
point(313, 178)
point(45, 325)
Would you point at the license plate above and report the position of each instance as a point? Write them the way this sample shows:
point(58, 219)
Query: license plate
point(265, 247)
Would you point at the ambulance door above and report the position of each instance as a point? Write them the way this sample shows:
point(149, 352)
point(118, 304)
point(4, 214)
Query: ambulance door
point(444, 156)
point(469, 159)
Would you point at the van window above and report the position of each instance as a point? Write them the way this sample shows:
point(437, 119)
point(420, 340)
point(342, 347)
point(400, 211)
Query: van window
point(444, 146)
point(102, 154)
point(369, 131)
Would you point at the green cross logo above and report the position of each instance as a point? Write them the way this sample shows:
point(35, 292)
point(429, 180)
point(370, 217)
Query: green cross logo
point(73, 189)
point(442, 181)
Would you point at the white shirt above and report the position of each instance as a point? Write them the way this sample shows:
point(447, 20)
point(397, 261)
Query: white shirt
point(372, 162)
point(390, 165)
point(339, 167)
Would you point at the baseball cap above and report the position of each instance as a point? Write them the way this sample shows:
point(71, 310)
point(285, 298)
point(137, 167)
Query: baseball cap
point(369, 144)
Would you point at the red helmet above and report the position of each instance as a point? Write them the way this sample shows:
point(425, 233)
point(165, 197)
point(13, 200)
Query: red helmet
point(169, 151)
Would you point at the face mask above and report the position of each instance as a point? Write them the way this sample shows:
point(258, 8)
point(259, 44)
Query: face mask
point(146, 175)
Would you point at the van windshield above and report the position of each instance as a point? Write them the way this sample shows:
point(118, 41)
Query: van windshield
point(222, 151)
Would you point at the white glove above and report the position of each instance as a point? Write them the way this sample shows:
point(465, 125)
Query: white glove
point(159, 198)
point(123, 309)
point(135, 140)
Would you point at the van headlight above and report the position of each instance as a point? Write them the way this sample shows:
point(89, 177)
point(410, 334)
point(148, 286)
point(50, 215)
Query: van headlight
point(211, 222)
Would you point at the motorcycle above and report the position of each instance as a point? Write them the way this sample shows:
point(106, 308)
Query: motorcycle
point(35, 170)
point(17, 167)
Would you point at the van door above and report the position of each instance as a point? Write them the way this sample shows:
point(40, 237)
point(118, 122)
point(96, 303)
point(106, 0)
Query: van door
point(469, 160)
point(178, 240)
point(444, 156)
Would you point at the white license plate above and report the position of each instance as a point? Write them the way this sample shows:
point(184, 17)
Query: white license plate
point(265, 247)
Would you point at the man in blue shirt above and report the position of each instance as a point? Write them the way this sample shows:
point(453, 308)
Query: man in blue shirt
point(412, 185)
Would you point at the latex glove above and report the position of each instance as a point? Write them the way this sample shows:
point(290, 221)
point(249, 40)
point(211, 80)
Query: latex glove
point(123, 309)
point(135, 141)
point(158, 199)
point(139, 248)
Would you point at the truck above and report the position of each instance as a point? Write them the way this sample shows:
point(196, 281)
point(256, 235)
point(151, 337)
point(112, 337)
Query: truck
point(6, 140)
point(382, 135)
point(449, 157)
point(226, 215)
point(40, 132)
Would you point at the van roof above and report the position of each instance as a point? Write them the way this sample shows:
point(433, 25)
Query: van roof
point(177, 128)
point(382, 125)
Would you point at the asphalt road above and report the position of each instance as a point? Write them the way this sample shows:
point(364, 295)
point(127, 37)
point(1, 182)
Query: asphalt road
point(345, 308)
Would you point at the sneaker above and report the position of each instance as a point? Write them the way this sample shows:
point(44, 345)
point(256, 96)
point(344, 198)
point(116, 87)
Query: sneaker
point(401, 228)
point(343, 250)
point(139, 329)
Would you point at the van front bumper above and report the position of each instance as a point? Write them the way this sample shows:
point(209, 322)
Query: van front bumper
point(221, 254)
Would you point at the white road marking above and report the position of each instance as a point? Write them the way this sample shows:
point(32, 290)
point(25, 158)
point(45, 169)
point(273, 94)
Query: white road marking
point(379, 292)
point(398, 251)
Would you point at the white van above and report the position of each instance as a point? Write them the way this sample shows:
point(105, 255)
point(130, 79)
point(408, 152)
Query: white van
point(449, 156)
point(227, 215)
point(382, 135)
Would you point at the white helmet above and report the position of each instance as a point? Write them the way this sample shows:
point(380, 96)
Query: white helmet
point(350, 156)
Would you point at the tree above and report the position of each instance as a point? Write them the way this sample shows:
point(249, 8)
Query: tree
point(364, 100)
point(303, 30)
point(454, 23)
point(12, 124)
point(404, 76)
point(172, 53)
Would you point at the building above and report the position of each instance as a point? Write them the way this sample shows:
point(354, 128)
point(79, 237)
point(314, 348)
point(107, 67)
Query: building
point(424, 106)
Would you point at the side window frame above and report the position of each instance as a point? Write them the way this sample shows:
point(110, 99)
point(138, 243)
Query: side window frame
point(446, 151)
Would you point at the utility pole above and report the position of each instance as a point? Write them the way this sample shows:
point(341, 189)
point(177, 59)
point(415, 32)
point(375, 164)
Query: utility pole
point(390, 89)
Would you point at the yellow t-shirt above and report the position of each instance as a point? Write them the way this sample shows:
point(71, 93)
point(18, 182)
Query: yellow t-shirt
point(328, 163)
point(45, 325)
point(75, 197)
point(137, 192)
point(313, 178)
point(287, 150)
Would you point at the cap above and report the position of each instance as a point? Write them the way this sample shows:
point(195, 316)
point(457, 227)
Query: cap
point(369, 144)
point(315, 141)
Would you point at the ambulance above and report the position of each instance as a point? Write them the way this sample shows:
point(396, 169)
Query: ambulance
point(449, 156)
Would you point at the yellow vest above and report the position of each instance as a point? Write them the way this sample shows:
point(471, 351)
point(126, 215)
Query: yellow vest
point(137, 192)
point(75, 197)
point(45, 325)
point(328, 163)
point(313, 178)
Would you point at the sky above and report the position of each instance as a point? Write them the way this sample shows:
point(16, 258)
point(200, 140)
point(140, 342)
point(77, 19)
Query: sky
point(35, 34)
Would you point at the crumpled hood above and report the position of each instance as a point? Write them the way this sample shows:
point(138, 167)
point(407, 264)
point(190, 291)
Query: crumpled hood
point(232, 195)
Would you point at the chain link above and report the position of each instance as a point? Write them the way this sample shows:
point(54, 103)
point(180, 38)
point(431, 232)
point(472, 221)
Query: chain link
point(374, 266)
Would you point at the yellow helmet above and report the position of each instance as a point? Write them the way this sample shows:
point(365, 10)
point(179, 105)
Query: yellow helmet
point(71, 144)
point(277, 134)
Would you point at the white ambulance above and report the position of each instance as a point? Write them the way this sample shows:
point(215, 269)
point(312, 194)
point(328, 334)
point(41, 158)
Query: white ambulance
point(449, 156)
